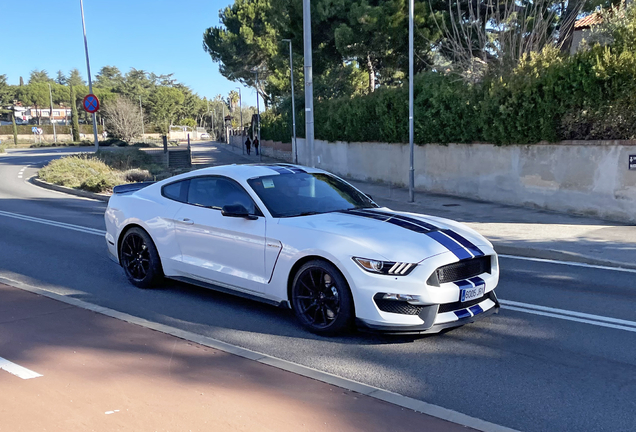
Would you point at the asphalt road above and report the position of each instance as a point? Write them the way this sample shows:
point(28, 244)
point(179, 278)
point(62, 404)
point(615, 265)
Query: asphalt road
point(527, 368)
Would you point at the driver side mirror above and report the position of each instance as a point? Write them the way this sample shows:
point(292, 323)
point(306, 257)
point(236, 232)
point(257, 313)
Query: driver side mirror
point(237, 210)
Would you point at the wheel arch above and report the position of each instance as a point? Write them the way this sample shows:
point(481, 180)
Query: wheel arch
point(302, 261)
point(122, 234)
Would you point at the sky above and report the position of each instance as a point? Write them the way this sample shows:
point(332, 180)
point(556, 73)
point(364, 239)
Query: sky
point(157, 36)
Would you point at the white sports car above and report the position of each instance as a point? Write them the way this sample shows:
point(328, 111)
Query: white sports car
point(303, 238)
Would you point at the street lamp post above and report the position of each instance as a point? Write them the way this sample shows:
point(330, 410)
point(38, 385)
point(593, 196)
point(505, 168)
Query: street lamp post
point(241, 110)
point(51, 117)
point(90, 82)
point(291, 68)
point(309, 86)
point(411, 146)
point(258, 120)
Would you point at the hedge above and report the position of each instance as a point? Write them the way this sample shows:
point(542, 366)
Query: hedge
point(548, 97)
point(47, 129)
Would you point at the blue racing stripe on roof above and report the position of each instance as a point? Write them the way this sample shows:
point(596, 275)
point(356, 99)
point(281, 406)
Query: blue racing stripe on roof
point(455, 248)
point(280, 170)
point(464, 242)
point(463, 313)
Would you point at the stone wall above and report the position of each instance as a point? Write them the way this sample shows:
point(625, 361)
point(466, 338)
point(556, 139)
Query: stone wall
point(582, 177)
point(275, 149)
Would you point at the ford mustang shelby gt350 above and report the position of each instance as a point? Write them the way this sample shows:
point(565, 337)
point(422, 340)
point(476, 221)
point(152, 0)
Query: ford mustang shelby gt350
point(303, 238)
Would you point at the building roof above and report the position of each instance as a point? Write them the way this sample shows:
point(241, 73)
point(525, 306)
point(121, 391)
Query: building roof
point(588, 21)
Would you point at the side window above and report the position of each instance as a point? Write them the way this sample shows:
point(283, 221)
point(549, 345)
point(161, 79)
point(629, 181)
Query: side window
point(216, 192)
point(177, 191)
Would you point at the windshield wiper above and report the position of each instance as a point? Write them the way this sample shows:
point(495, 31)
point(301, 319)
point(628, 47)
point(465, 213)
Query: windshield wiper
point(309, 213)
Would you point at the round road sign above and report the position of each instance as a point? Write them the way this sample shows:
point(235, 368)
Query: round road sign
point(90, 103)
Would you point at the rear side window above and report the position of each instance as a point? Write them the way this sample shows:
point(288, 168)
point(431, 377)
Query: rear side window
point(177, 191)
point(216, 192)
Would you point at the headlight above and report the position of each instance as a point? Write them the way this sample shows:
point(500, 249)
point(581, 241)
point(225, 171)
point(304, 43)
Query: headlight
point(385, 267)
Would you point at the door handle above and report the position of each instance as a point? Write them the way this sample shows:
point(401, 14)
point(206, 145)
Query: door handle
point(187, 221)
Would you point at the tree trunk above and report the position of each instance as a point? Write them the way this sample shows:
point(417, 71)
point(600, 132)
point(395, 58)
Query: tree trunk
point(15, 128)
point(566, 32)
point(371, 71)
point(74, 119)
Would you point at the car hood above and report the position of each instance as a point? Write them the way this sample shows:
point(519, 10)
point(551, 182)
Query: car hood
point(394, 236)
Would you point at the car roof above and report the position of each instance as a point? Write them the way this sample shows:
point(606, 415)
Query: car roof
point(248, 171)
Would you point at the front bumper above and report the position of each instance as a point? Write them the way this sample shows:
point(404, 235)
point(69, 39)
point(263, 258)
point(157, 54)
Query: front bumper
point(434, 322)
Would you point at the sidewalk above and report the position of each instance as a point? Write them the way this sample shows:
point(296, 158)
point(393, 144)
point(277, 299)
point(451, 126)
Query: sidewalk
point(102, 374)
point(513, 230)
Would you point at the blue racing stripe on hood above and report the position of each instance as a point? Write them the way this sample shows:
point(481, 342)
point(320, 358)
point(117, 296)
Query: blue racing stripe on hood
point(455, 243)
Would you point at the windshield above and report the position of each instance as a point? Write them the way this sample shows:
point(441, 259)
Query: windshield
point(299, 194)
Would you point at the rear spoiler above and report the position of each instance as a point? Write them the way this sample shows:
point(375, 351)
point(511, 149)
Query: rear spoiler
point(130, 187)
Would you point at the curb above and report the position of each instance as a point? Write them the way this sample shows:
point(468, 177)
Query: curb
point(557, 255)
point(347, 384)
point(84, 194)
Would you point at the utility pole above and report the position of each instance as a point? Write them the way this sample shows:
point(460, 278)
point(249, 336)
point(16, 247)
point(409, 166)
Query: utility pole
point(241, 110)
point(411, 146)
point(141, 110)
point(309, 86)
point(90, 82)
point(291, 68)
point(51, 117)
point(258, 121)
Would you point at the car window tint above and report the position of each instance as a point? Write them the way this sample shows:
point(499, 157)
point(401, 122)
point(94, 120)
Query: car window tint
point(177, 191)
point(216, 192)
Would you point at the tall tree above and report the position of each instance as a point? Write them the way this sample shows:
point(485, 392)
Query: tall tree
point(136, 83)
point(75, 78)
point(61, 78)
point(109, 77)
point(39, 76)
point(6, 92)
point(164, 103)
point(123, 119)
point(36, 94)
point(74, 117)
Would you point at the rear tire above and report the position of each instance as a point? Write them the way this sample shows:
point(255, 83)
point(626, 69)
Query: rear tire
point(139, 257)
point(321, 298)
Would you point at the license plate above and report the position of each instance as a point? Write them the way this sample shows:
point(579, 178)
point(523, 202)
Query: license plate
point(469, 294)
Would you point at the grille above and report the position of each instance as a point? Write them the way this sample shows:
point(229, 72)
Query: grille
point(460, 270)
point(449, 307)
point(396, 306)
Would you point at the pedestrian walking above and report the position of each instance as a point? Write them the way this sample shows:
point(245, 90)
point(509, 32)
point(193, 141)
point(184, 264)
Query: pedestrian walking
point(248, 146)
point(256, 143)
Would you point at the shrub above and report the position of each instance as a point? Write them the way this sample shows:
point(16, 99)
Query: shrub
point(137, 175)
point(75, 171)
point(124, 159)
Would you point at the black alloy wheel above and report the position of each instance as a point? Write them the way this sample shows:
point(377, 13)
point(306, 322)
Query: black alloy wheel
point(139, 258)
point(321, 298)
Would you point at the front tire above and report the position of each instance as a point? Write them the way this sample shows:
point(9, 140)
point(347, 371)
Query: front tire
point(140, 259)
point(321, 298)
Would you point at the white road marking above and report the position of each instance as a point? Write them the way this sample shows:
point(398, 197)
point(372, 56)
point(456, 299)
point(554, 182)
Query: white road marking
point(570, 263)
point(17, 370)
point(111, 412)
point(597, 320)
point(53, 223)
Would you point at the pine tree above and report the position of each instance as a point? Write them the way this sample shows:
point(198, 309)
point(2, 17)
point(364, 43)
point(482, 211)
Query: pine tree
point(74, 118)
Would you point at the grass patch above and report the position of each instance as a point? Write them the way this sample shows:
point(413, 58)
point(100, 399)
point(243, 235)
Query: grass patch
point(84, 143)
point(102, 171)
point(3, 148)
point(82, 172)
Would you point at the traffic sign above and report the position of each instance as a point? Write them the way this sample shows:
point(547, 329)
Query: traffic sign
point(90, 103)
point(34, 129)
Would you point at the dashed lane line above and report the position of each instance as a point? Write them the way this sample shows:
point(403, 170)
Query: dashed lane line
point(17, 370)
point(53, 223)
